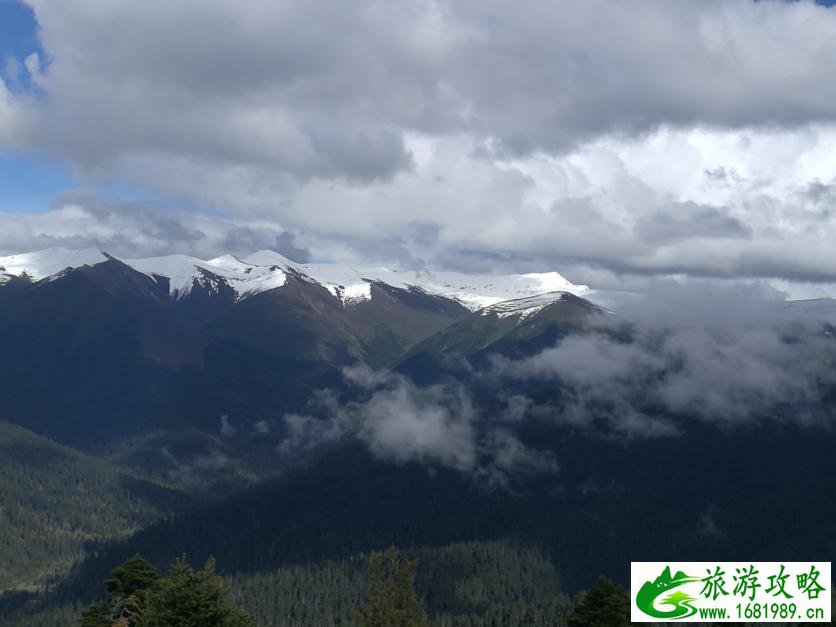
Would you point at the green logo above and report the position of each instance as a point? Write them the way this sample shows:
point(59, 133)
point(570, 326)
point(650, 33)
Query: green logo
point(679, 601)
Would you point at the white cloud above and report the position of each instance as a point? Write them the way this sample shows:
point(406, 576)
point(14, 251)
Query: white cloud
point(83, 220)
point(727, 356)
point(663, 137)
point(16, 119)
point(437, 425)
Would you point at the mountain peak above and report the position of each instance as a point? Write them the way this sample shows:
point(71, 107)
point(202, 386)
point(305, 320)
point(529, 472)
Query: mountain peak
point(269, 258)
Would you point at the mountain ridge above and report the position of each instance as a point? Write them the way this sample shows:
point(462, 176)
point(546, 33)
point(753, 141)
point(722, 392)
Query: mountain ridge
point(265, 270)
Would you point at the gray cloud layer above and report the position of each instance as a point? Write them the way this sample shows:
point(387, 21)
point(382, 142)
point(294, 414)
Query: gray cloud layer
point(81, 219)
point(656, 138)
point(317, 89)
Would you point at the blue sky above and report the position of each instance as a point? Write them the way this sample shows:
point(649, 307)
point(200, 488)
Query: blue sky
point(18, 29)
point(28, 183)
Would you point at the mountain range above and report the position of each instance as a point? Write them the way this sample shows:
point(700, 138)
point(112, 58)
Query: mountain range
point(144, 405)
point(95, 346)
point(267, 270)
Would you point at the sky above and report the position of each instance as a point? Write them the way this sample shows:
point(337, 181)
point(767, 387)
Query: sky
point(618, 143)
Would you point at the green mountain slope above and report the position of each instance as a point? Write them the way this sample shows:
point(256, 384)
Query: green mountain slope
point(513, 328)
point(103, 352)
point(54, 501)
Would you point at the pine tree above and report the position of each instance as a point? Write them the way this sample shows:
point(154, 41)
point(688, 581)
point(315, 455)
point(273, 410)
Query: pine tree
point(137, 597)
point(132, 578)
point(126, 589)
point(391, 599)
point(96, 616)
point(189, 598)
point(606, 605)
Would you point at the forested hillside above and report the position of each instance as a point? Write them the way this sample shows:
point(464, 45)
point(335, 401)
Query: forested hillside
point(460, 585)
point(56, 502)
point(611, 503)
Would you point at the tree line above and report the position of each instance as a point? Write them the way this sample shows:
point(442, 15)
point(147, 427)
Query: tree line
point(137, 596)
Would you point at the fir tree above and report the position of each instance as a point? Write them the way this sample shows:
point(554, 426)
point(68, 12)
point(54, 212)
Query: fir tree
point(391, 598)
point(606, 605)
point(189, 598)
point(132, 578)
point(137, 597)
point(96, 616)
point(126, 589)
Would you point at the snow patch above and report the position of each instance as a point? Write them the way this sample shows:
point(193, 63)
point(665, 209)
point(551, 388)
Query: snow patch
point(473, 291)
point(357, 292)
point(44, 263)
point(523, 307)
point(184, 272)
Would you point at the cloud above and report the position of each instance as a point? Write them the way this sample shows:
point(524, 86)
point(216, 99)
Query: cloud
point(686, 355)
point(626, 207)
point(660, 139)
point(322, 91)
point(227, 429)
point(198, 472)
point(262, 427)
point(689, 220)
point(16, 119)
point(286, 245)
point(437, 425)
point(692, 352)
point(81, 219)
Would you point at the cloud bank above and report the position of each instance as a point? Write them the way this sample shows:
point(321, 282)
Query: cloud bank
point(730, 358)
point(600, 139)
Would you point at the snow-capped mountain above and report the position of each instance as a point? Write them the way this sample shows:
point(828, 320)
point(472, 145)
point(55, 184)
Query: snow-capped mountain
point(44, 263)
point(106, 344)
point(267, 270)
point(517, 327)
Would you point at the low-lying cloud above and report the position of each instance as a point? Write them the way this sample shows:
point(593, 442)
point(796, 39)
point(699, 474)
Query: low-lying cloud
point(437, 425)
point(683, 355)
point(729, 357)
